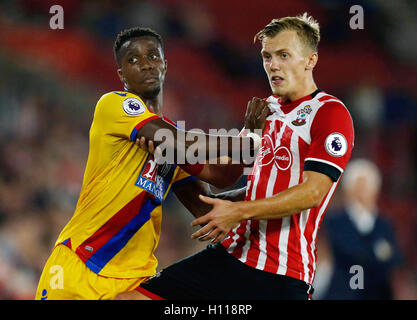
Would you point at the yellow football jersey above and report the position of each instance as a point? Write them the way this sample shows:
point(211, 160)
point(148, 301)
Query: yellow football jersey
point(116, 225)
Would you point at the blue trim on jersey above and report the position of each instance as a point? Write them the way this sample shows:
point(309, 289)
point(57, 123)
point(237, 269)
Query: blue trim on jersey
point(120, 94)
point(99, 259)
point(184, 181)
point(133, 134)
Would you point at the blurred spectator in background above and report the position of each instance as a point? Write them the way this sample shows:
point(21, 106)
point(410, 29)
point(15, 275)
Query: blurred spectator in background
point(358, 235)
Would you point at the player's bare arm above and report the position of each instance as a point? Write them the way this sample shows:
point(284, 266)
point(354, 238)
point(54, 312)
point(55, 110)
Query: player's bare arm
point(189, 193)
point(226, 215)
point(219, 175)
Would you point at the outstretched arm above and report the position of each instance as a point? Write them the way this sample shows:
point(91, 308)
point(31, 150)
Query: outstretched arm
point(178, 142)
point(222, 170)
point(218, 175)
point(188, 194)
point(226, 215)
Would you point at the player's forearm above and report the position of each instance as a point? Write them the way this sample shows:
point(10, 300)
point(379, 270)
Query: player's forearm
point(212, 147)
point(291, 201)
point(180, 145)
point(188, 196)
point(221, 176)
point(234, 195)
point(306, 195)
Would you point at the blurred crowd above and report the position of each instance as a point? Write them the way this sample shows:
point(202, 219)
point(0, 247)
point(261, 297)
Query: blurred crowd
point(47, 100)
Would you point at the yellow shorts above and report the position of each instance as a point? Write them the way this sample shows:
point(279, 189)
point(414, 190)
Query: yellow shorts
point(66, 277)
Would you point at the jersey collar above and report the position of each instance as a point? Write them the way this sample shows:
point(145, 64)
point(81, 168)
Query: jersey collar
point(289, 106)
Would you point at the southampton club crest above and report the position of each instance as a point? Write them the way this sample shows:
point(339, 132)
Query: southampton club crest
point(336, 144)
point(302, 116)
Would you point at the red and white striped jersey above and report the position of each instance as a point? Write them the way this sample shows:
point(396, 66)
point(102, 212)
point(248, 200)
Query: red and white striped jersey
point(312, 133)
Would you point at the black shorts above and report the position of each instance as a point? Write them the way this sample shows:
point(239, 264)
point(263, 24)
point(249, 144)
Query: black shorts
point(214, 274)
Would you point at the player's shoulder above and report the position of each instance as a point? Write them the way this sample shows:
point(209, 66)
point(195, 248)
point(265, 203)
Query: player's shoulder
point(328, 101)
point(118, 96)
point(130, 103)
point(331, 106)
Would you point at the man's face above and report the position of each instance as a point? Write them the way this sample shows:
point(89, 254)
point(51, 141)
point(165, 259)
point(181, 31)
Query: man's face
point(142, 66)
point(364, 189)
point(285, 60)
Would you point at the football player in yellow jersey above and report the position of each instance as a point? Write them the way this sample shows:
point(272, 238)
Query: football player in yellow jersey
point(107, 247)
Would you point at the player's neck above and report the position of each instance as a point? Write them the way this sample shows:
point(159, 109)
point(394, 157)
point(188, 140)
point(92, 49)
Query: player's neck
point(304, 90)
point(153, 104)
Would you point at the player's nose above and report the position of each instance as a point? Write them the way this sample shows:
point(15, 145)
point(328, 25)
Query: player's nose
point(275, 65)
point(145, 65)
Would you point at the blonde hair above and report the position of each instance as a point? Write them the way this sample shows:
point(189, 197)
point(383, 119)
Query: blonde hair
point(307, 28)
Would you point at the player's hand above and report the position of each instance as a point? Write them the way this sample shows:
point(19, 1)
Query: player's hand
point(256, 113)
point(148, 147)
point(218, 222)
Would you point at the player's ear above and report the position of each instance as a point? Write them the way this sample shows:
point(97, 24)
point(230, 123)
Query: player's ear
point(312, 60)
point(165, 68)
point(166, 65)
point(120, 74)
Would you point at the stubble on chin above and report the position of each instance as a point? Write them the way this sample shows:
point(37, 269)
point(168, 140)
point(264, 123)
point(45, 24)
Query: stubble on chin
point(152, 93)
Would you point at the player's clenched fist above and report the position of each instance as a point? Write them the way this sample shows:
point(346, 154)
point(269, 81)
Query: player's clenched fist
point(256, 113)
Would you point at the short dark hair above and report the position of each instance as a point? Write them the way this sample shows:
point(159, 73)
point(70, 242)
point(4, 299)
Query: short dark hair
point(135, 32)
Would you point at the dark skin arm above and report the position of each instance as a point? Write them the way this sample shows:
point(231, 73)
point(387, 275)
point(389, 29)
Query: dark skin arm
point(188, 194)
point(225, 172)
point(222, 173)
point(204, 142)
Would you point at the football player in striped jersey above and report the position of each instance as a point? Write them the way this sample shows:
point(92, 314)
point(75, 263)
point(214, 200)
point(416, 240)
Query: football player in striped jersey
point(264, 235)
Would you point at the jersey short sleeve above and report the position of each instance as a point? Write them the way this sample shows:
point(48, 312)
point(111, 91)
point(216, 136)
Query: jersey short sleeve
point(122, 114)
point(332, 140)
point(182, 177)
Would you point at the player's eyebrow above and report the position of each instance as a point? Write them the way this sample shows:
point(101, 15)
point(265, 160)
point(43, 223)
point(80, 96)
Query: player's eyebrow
point(277, 51)
point(129, 52)
point(132, 51)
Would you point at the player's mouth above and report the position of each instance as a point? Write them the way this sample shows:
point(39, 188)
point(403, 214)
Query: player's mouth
point(277, 80)
point(151, 79)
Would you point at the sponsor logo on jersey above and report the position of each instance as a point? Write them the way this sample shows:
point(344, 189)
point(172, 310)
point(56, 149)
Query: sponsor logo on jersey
point(152, 177)
point(283, 158)
point(336, 144)
point(302, 116)
point(150, 170)
point(268, 153)
point(133, 106)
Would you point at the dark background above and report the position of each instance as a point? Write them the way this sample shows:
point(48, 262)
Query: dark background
point(51, 79)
